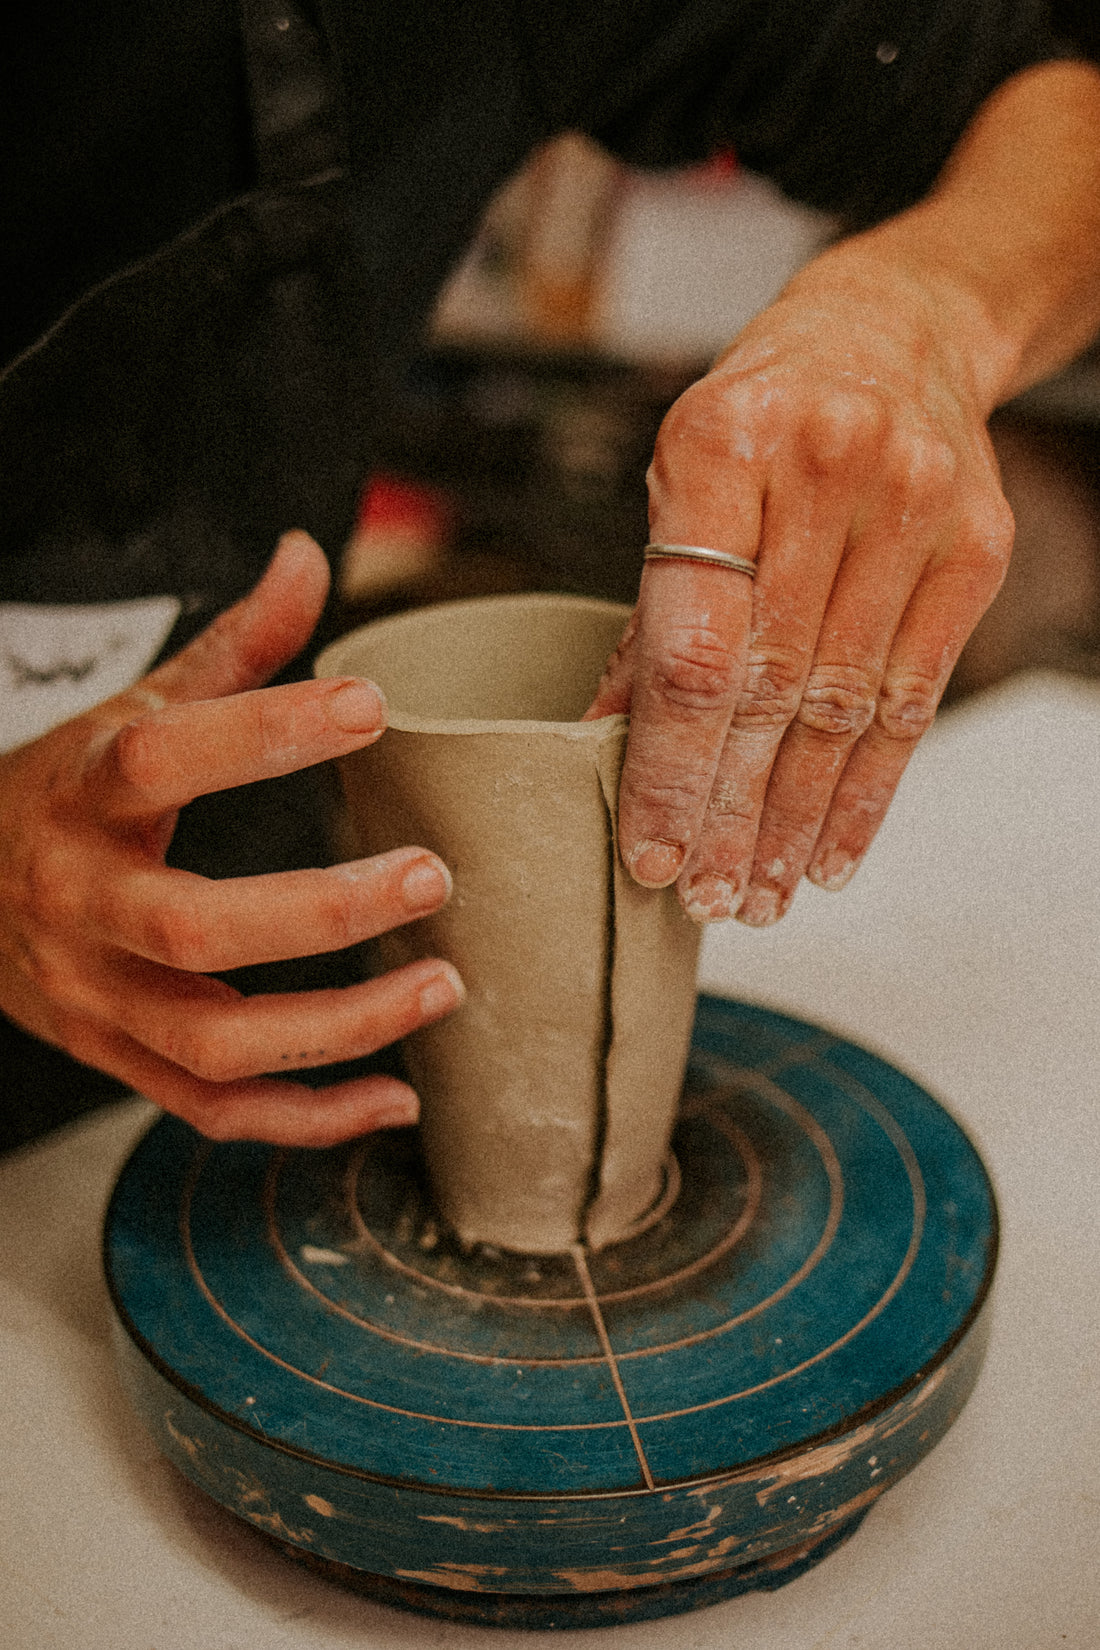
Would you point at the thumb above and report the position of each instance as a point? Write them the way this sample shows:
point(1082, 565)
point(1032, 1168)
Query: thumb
point(244, 646)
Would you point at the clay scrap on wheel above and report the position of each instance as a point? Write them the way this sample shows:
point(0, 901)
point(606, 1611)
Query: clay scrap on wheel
point(548, 1099)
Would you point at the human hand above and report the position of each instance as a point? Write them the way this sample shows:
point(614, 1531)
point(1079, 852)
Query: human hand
point(106, 951)
point(840, 445)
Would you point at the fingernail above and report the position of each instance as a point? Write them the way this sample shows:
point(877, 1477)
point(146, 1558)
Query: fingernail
point(710, 899)
point(834, 872)
point(441, 994)
point(425, 885)
point(397, 1115)
point(655, 864)
point(357, 707)
point(761, 907)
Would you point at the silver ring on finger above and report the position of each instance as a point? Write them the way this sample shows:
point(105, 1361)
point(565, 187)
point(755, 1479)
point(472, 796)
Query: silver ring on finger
point(699, 552)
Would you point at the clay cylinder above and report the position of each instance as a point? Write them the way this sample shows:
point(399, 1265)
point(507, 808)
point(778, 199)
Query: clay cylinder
point(548, 1099)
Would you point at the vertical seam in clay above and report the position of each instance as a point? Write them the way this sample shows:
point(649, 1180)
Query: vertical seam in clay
point(599, 1139)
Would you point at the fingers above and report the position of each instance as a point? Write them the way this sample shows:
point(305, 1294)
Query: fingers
point(687, 659)
point(681, 663)
point(270, 1109)
point(238, 652)
point(163, 759)
point(740, 465)
point(104, 951)
point(802, 543)
point(267, 1107)
point(870, 697)
point(836, 704)
point(767, 735)
point(187, 922)
point(210, 1030)
point(291, 1114)
point(244, 646)
point(945, 608)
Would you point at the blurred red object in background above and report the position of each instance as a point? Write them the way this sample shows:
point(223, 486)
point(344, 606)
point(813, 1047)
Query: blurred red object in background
point(401, 535)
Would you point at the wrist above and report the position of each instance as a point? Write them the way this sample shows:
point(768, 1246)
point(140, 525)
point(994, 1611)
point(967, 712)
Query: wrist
point(916, 307)
point(999, 299)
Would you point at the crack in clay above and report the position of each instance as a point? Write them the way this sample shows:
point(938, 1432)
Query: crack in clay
point(603, 1103)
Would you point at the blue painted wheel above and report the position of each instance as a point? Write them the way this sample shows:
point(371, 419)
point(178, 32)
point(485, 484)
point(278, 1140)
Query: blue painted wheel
point(565, 1440)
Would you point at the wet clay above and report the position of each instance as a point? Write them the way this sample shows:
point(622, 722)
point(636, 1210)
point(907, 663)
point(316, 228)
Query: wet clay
point(549, 1097)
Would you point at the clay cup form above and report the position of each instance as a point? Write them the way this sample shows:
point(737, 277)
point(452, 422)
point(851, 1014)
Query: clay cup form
point(548, 1098)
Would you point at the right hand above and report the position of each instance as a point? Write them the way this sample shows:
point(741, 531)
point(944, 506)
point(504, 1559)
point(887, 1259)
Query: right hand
point(107, 952)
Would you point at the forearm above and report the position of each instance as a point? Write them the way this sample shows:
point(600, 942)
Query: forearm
point(1007, 244)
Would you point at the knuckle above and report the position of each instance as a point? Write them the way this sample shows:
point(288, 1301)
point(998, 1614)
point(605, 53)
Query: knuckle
point(44, 893)
point(838, 700)
point(137, 753)
point(773, 688)
point(179, 938)
point(722, 420)
point(838, 424)
point(730, 801)
point(341, 915)
point(907, 706)
point(675, 797)
point(51, 975)
point(219, 1063)
point(689, 425)
point(985, 537)
point(52, 895)
point(997, 524)
point(696, 671)
point(760, 400)
point(797, 834)
point(703, 410)
point(209, 1054)
point(921, 464)
point(278, 725)
point(224, 638)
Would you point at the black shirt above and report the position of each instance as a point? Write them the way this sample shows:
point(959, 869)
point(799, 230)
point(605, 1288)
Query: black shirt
point(143, 453)
point(122, 124)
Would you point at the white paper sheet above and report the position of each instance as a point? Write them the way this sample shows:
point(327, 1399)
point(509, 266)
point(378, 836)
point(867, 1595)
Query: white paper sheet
point(56, 662)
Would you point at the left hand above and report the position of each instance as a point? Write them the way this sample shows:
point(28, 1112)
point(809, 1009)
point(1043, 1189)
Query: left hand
point(112, 954)
point(841, 445)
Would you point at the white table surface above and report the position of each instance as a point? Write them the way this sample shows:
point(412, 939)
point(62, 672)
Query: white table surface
point(968, 951)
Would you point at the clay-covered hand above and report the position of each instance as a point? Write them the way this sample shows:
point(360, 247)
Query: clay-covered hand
point(107, 952)
point(840, 445)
